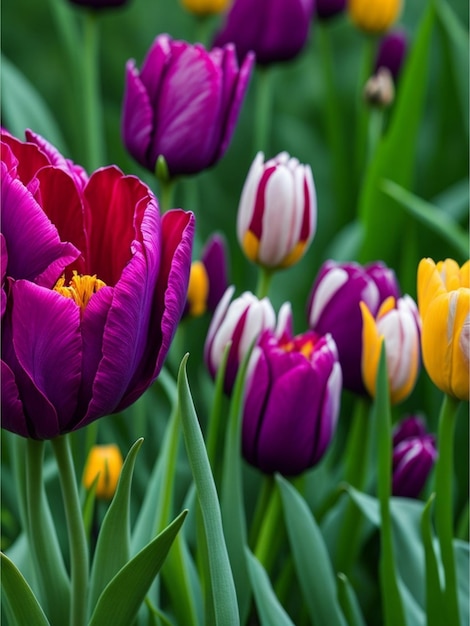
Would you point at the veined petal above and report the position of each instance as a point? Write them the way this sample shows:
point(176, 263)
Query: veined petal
point(29, 159)
point(430, 285)
point(137, 116)
point(258, 387)
point(47, 342)
point(12, 415)
point(33, 242)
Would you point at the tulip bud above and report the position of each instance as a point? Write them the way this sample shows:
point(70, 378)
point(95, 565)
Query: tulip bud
point(292, 401)
point(278, 211)
point(240, 322)
point(397, 323)
point(208, 278)
point(205, 7)
point(274, 31)
point(333, 307)
point(326, 9)
point(379, 89)
point(391, 53)
point(414, 454)
point(105, 461)
point(374, 16)
point(444, 305)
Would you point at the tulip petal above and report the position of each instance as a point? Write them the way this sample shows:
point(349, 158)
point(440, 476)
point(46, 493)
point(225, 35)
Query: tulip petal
point(28, 159)
point(34, 247)
point(259, 378)
point(155, 64)
point(136, 125)
point(12, 415)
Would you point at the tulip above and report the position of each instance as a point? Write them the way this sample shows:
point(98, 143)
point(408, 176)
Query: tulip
point(326, 9)
point(333, 307)
point(397, 323)
point(292, 401)
point(374, 16)
point(414, 455)
point(205, 7)
point(278, 211)
point(96, 283)
point(444, 306)
point(208, 278)
point(275, 30)
point(391, 53)
point(241, 322)
point(104, 462)
point(183, 105)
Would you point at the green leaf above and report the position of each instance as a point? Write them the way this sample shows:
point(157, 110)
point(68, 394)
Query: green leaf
point(23, 107)
point(462, 563)
point(395, 155)
point(21, 603)
point(430, 216)
point(112, 548)
point(456, 42)
point(312, 562)
point(122, 597)
point(223, 587)
point(270, 610)
point(434, 596)
point(232, 504)
point(349, 603)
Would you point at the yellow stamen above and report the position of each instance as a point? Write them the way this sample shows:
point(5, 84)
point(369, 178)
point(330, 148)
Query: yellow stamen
point(305, 349)
point(80, 288)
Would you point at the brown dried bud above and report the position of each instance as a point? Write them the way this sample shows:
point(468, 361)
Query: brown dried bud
point(379, 89)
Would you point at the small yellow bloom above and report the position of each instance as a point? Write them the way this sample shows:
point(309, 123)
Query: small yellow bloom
point(107, 462)
point(396, 324)
point(374, 16)
point(205, 7)
point(444, 305)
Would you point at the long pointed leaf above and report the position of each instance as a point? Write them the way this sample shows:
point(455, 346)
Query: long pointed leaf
point(223, 587)
point(312, 562)
point(434, 596)
point(112, 548)
point(23, 607)
point(122, 597)
point(349, 602)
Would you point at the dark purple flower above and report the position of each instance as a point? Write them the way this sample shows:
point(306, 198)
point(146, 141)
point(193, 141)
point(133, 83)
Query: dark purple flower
point(99, 4)
point(414, 454)
point(95, 285)
point(333, 307)
point(326, 9)
point(208, 280)
point(275, 30)
point(183, 104)
point(391, 53)
point(292, 401)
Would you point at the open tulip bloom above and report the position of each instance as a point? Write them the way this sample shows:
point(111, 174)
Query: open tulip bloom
point(95, 285)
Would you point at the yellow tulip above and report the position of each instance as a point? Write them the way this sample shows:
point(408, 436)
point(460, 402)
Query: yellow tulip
point(198, 289)
point(444, 305)
point(374, 16)
point(397, 324)
point(107, 462)
point(205, 7)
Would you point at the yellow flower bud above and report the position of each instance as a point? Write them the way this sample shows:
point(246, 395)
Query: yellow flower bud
point(107, 462)
point(444, 305)
point(205, 7)
point(198, 289)
point(374, 16)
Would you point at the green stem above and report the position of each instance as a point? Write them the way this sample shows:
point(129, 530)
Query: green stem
point(363, 111)
point(341, 169)
point(93, 119)
point(444, 504)
point(265, 276)
point(261, 507)
point(76, 530)
point(270, 537)
point(374, 134)
point(357, 457)
point(262, 109)
point(167, 194)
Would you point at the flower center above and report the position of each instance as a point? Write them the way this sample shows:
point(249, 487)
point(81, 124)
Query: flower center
point(80, 288)
point(299, 344)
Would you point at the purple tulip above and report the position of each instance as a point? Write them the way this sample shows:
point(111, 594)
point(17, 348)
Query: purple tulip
point(183, 104)
point(414, 454)
point(95, 286)
point(208, 279)
point(275, 30)
point(292, 401)
point(326, 9)
point(333, 307)
point(391, 53)
point(241, 322)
